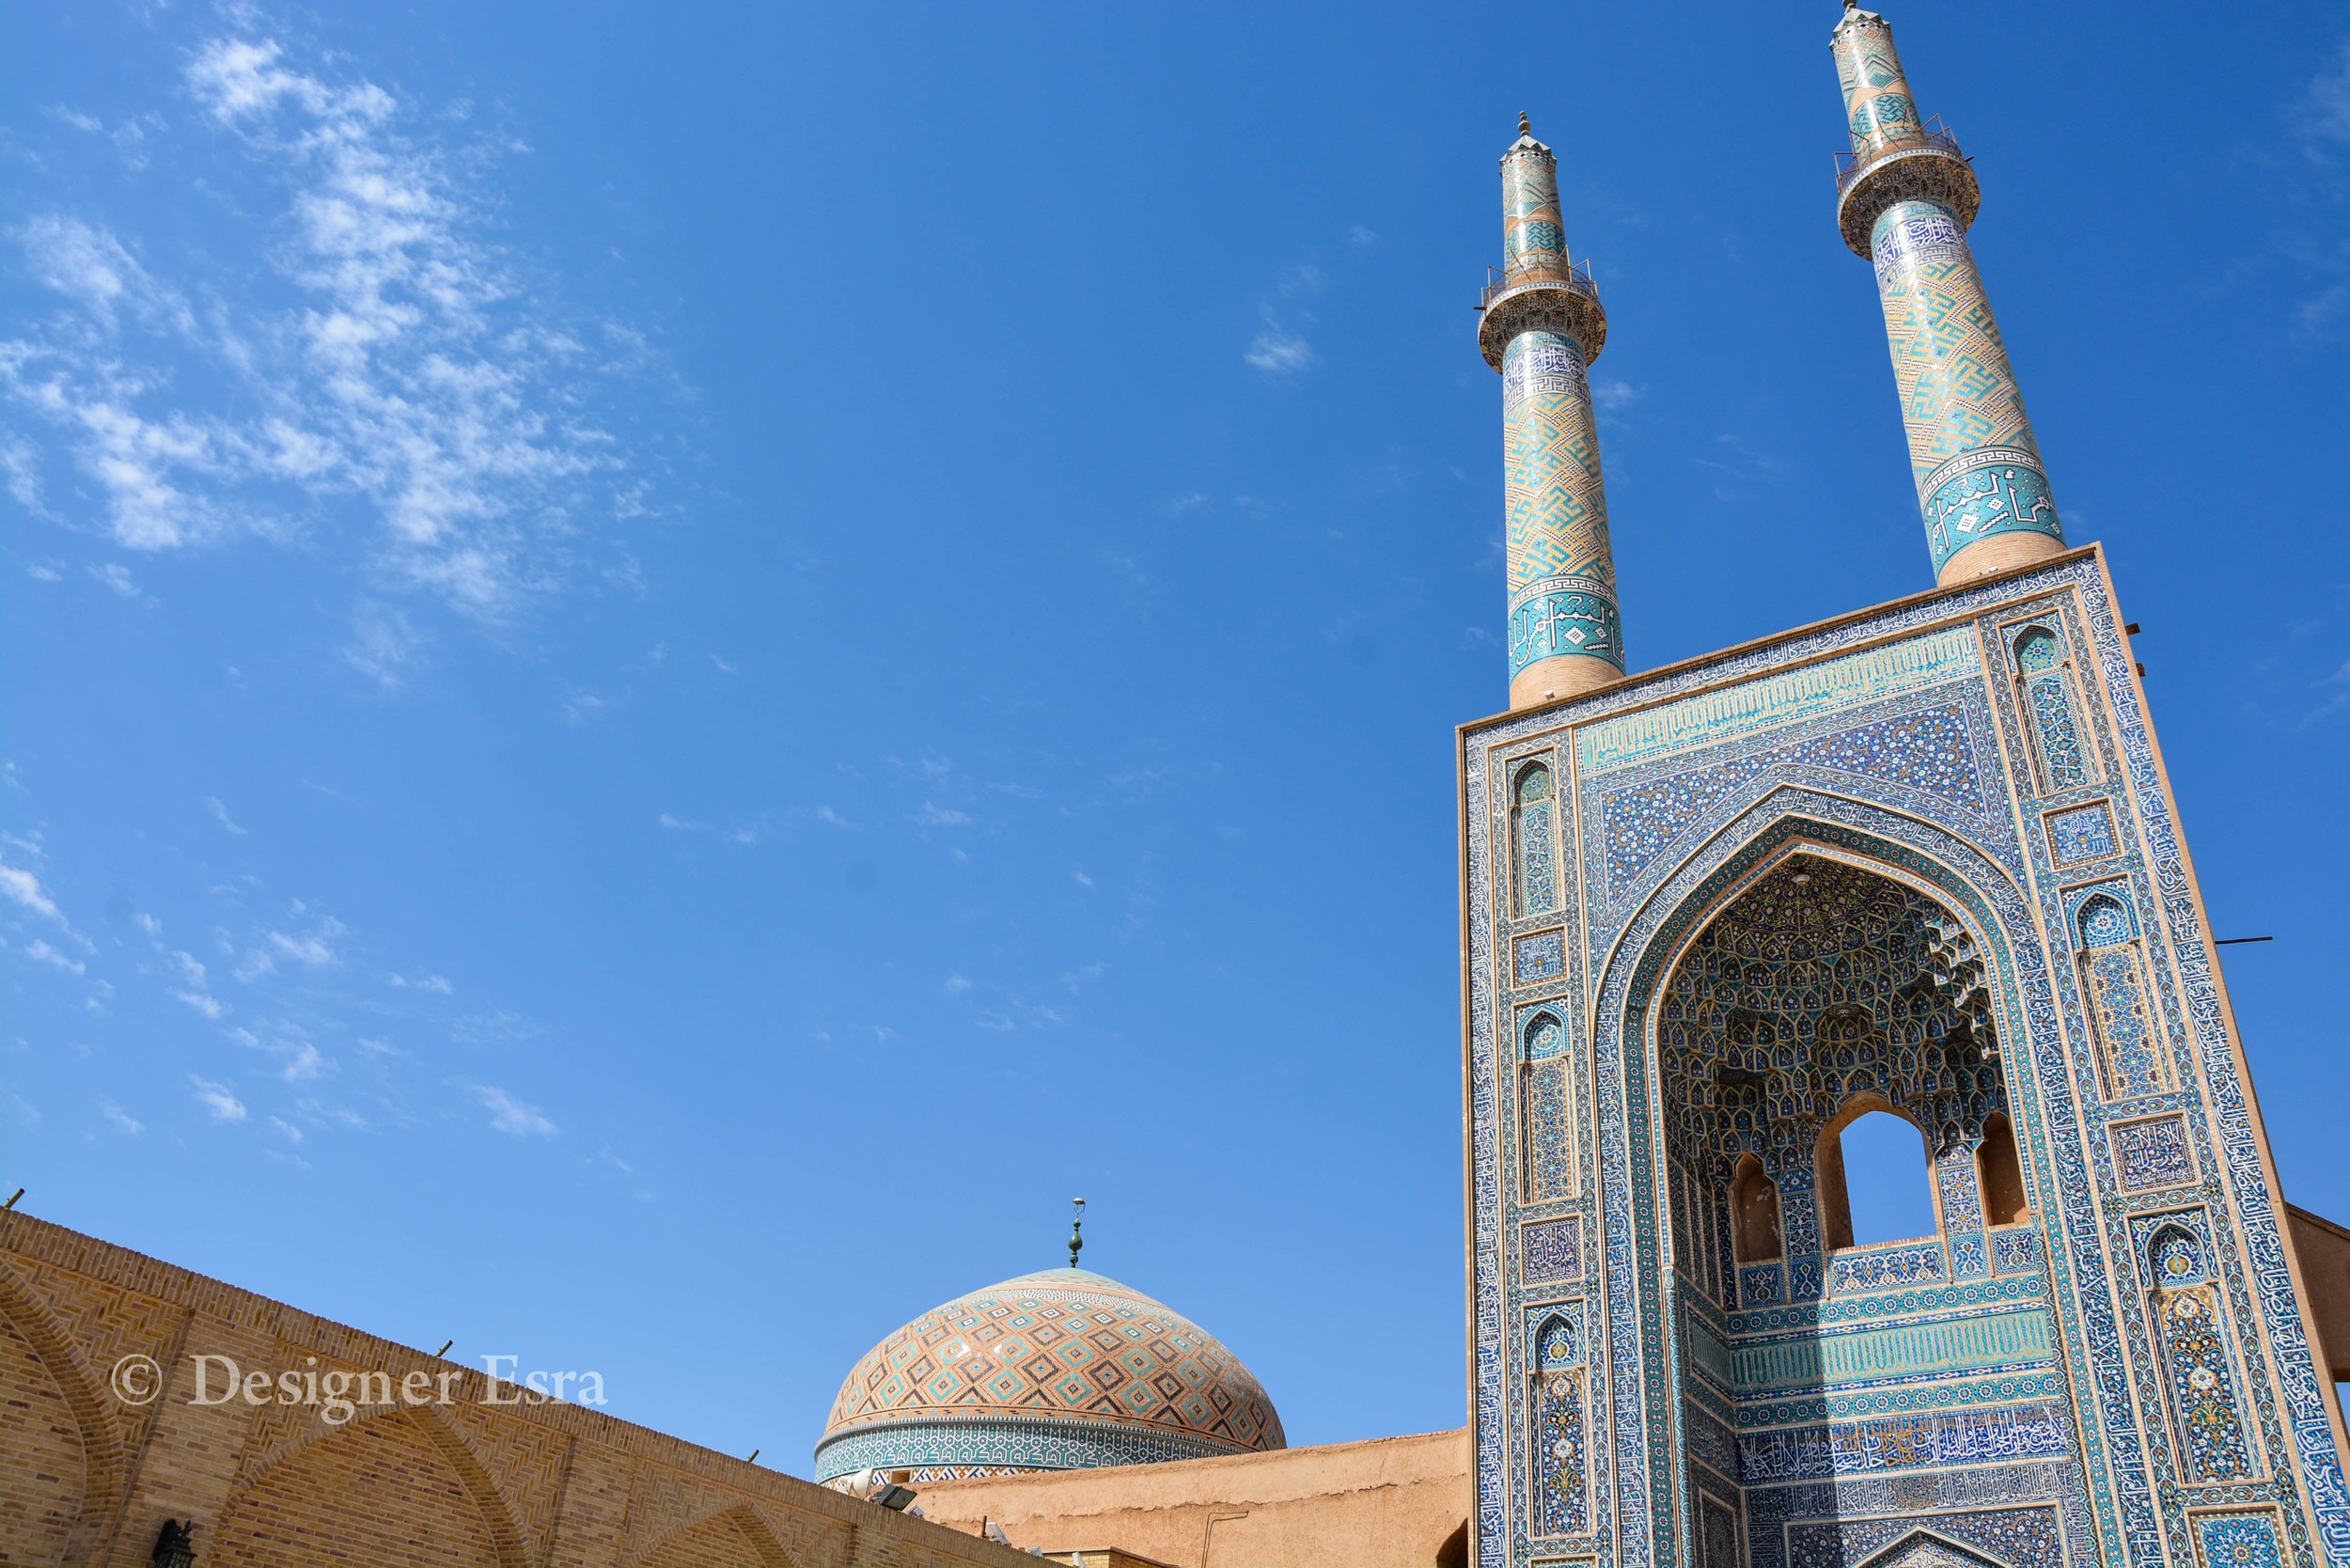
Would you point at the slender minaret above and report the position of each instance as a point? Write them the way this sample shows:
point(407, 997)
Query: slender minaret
point(1906, 200)
point(1541, 329)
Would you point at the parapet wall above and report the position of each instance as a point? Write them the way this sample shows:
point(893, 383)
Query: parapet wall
point(96, 1453)
point(1391, 1502)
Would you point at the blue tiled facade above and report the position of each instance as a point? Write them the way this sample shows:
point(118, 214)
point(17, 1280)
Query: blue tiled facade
point(2020, 1391)
point(1919, 860)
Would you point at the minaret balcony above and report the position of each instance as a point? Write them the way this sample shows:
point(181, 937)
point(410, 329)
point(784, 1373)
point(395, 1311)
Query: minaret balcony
point(1925, 166)
point(1564, 299)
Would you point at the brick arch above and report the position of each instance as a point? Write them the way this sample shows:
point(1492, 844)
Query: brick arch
point(415, 1427)
point(737, 1530)
point(85, 1395)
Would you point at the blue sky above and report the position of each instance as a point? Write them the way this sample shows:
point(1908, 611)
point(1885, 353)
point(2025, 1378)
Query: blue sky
point(672, 668)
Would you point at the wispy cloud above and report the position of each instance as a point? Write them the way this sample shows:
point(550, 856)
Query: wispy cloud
point(1610, 396)
point(51, 956)
point(1276, 350)
point(121, 1120)
point(2323, 116)
point(373, 357)
point(509, 1115)
point(216, 1098)
point(221, 813)
point(23, 888)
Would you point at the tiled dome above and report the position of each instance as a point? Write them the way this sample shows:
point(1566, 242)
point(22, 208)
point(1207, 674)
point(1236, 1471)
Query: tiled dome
point(1058, 1371)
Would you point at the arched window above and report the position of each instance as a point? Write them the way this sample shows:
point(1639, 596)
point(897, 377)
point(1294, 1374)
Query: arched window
point(1880, 1158)
point(1546, 1153)
point(2113, 975)
point(2191, 1317)
point(2048, 695)
point(1560, 1435)
point(2000, 1173)
point(1530, 832)
point(1754, 1227)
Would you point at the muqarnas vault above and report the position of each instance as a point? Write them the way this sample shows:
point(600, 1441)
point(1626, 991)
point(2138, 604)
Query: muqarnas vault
point(1922, 859)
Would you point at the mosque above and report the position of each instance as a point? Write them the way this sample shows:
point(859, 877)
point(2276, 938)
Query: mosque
point(1919, 861)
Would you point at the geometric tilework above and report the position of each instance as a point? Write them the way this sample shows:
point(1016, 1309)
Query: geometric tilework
point(1538, 879)
point(1059, 1368)
point(1891, 1267)
point(1927, 751)
point(2113, 971)
point(2246, 1539)
point(2099, 1364)
point(1562, 567)
point(1971, 444)
point(2019, 1537)
point(2041, 661)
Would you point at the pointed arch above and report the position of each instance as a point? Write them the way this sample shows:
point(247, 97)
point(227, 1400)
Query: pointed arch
point(506, 1539)
point(103, 1451)
point(1757, 1233)
point(750, 1530)
point(1979, 887)
point(2044, 679)
point(1533, 856)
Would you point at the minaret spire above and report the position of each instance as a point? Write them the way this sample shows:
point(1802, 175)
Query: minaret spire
point(1076, 1232)
point(1905, 200)
point(1542, 327)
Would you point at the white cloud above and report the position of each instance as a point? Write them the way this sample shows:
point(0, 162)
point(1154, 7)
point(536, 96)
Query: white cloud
point(2324, 110)
point(509, 1115)
point(1081, 879)
point(25, 887)
point(117, 577)
point(1609, 396)
point(50, 955)
point(956, 982)
point(291, 1132)
point(1276, 350)
point(370, 353)
point(222, 812)
point(123, 1122)
point(1360, 237)
point(224, 1105)
point(938, 816)
point(312, 949)
point(434, 983)
point(210, 1006)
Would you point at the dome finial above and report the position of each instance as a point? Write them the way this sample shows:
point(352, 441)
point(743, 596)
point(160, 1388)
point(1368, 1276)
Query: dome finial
point(1526, 127)
point(1076, 1229)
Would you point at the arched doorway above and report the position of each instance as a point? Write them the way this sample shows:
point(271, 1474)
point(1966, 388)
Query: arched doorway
point(1825, 991)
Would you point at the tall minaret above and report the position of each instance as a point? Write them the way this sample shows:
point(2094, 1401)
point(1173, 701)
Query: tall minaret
point(1906, 200)
point(1543, 328)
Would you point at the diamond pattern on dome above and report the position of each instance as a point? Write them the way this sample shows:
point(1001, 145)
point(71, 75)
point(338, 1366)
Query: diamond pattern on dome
point(1064, 1345)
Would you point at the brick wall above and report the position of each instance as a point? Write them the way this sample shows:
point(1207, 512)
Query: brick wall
point(88, 1476)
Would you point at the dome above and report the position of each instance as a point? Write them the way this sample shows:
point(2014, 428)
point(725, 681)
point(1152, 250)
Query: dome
point(1062, 1370)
